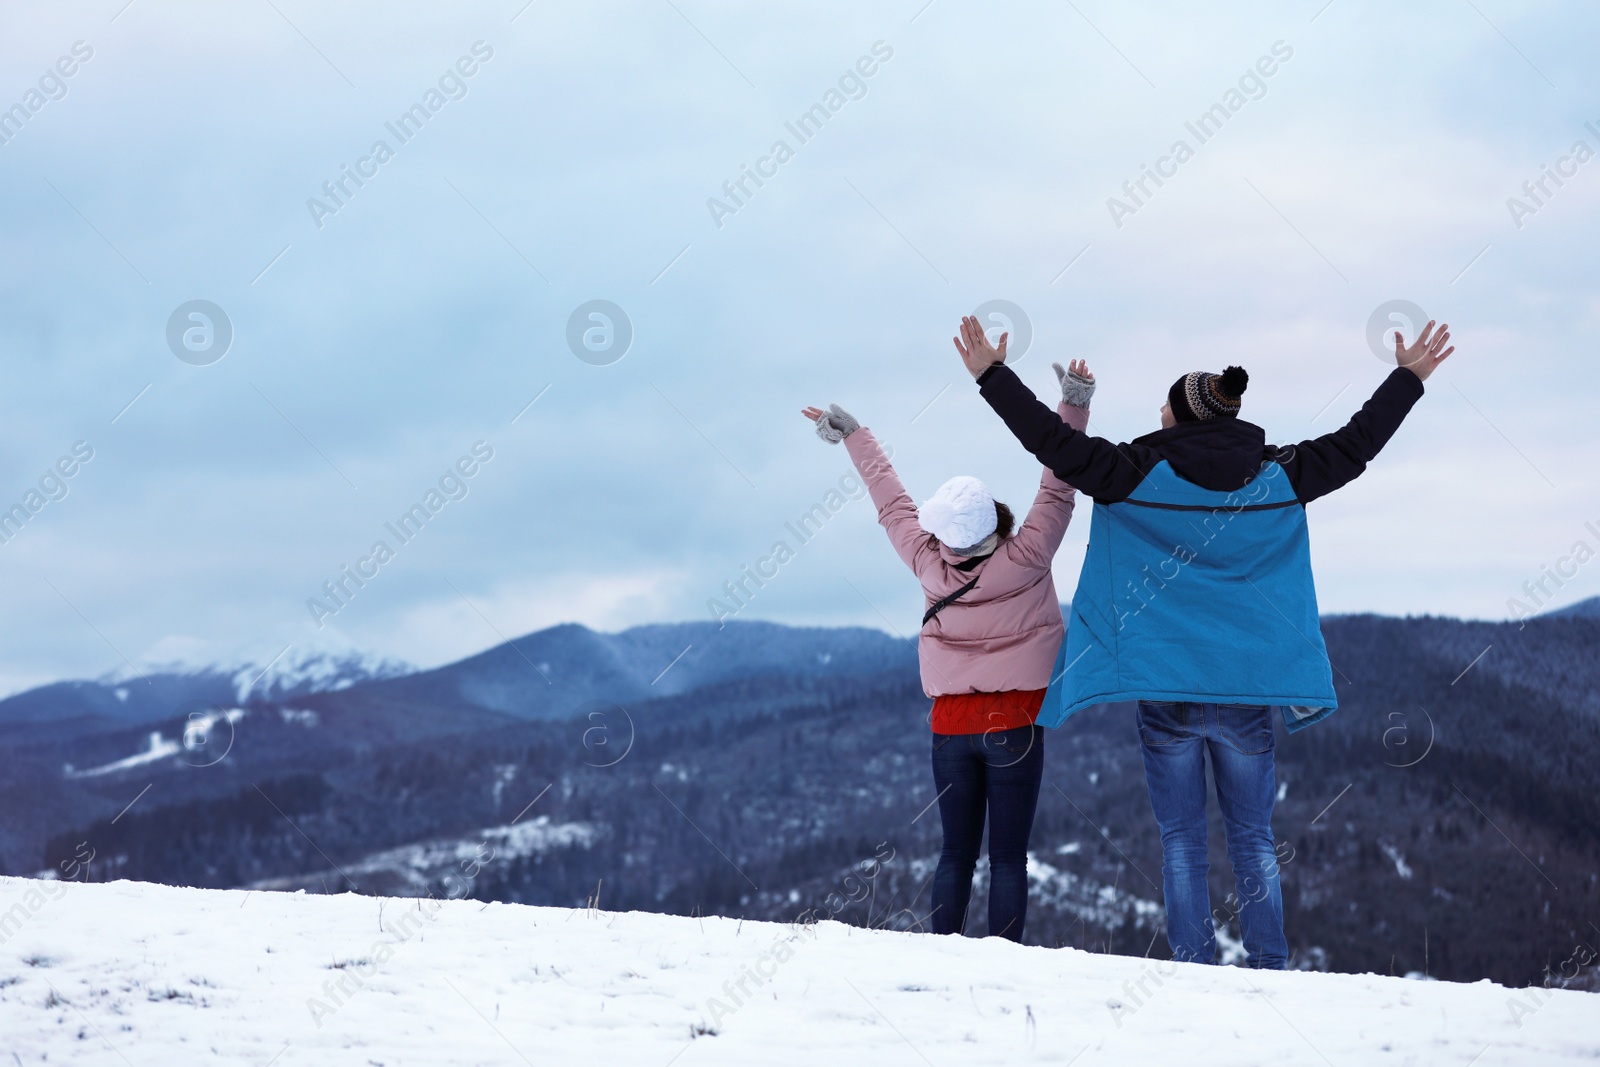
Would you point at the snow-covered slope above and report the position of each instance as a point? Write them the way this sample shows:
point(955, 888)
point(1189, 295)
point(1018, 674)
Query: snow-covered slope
point(131, 973)
point(137, 696)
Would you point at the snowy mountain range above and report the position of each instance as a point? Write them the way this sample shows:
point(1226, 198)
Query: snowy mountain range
point(1441, 823)
point(132, 696)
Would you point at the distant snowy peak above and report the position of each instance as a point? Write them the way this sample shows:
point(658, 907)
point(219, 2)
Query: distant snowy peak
point(292, 676)
point(293, 673)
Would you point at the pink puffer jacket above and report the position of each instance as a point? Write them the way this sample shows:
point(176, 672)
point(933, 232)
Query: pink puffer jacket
point(1005, 632)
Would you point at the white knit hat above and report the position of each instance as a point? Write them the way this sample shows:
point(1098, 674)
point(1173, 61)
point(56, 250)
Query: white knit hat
point(960, 513)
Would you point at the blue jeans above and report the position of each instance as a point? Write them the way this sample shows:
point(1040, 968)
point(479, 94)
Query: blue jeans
point(997, 772)
point(1174, 739)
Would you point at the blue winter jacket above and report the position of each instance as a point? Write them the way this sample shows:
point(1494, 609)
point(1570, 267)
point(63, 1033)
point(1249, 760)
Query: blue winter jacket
point(1197, 583)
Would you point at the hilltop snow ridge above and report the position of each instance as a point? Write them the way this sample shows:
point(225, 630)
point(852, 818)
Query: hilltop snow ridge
point(129, 972)
point(313, 672)
point(295, 672)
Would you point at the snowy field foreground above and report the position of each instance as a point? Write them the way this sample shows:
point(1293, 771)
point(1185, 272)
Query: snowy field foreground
point(131, 973)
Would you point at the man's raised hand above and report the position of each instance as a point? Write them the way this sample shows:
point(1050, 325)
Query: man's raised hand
point(977, 353)
point(1427, 353)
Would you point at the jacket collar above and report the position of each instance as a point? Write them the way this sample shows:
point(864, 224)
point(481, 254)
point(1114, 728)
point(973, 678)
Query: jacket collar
point(960, 562)
point(1222, 453)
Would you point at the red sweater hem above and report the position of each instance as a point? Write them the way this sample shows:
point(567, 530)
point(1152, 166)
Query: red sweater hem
point(982, 713)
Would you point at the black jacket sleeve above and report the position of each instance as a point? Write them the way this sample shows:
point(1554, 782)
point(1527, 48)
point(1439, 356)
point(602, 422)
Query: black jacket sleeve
point(1105, 471)
point(1319, 466)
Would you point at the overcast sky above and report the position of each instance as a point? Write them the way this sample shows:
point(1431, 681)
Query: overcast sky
point(379, 334)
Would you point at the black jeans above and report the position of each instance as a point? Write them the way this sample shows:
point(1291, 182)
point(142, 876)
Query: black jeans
point(997, 772)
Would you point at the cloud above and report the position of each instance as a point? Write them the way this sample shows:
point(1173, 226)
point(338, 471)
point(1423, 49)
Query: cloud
point(432, 307)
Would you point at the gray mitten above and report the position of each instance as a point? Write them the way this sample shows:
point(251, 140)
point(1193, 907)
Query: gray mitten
point(836, 425)
point(1075, 388)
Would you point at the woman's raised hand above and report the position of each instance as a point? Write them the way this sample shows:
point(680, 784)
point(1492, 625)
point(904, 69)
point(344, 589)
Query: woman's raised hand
point(977, 353)
point(1078, 368)
point(833, 425)
point(1077, 382)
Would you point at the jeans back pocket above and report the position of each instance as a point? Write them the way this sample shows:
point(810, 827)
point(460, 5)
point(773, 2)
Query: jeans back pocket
point(1163, 722)
point(1246, 728)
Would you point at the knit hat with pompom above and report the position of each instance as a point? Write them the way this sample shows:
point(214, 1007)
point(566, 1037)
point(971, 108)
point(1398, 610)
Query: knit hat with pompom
point(1203, 395)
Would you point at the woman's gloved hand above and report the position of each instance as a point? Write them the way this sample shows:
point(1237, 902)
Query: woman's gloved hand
point(833, 425)
point(1077, 383)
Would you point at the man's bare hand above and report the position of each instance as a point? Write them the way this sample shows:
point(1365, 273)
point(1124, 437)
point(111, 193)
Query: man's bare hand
point(1425, 355)
point(977, 353)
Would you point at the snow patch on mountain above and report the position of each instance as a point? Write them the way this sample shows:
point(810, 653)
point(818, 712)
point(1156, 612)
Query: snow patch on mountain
point(1097, 904)
point(1396, 857)
point(201, 744)
point(448, 866)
